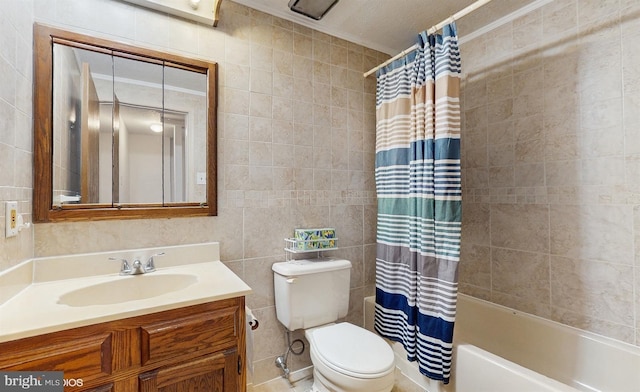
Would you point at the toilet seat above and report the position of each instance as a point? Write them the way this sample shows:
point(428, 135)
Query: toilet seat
point(353, 351)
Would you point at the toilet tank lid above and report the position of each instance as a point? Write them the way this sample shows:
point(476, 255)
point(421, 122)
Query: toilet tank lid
point(309, 266)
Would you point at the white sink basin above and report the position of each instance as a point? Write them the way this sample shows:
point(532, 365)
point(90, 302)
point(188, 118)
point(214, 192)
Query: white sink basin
point(128, 288)
point(82, 289)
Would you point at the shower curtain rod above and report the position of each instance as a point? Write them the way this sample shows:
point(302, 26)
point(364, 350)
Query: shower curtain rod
point(467, 10)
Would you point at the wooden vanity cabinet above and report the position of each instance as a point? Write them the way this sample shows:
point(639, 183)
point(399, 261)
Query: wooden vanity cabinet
point(198, 348)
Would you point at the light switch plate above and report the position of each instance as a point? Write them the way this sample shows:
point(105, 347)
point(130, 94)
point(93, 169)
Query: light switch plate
point(201, 178)
point(11, 218)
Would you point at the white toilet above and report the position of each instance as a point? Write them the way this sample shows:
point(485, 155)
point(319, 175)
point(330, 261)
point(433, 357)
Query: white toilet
point(313, 294)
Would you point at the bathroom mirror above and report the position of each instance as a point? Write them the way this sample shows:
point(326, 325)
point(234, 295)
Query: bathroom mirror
point(120, 131)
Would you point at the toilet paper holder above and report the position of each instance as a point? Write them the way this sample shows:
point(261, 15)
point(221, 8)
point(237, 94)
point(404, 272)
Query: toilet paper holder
point(254, 324)
point(251, 319)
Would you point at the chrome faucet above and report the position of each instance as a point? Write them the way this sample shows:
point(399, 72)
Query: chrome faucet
point(150, 266)
point(125, 268)
point(137, 268)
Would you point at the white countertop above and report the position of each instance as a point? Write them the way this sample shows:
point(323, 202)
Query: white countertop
point(35, 309)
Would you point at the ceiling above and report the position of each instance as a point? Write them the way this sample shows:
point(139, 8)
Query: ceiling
point(385, 25)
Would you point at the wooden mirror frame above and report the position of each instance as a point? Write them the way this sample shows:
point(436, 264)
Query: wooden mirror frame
point(43, 209)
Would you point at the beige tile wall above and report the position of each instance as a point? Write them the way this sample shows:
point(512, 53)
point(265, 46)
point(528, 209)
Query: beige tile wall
point(550, 157)
point(296, 148)
point(16, 136)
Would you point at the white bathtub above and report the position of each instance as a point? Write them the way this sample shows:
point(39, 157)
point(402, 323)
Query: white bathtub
point(498, 349)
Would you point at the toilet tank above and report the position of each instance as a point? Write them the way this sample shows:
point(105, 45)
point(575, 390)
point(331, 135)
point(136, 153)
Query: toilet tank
point(311, 292)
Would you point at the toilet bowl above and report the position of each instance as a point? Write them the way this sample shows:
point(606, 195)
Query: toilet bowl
point(347, 358)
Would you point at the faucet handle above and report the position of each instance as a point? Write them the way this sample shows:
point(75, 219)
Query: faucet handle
point(125, 268)
point(150, 266)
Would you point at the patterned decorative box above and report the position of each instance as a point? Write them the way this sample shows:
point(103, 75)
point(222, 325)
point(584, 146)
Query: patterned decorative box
point(310, 239)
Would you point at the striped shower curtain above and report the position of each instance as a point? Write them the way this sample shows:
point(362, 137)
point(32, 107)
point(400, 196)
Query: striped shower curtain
point(419, 201)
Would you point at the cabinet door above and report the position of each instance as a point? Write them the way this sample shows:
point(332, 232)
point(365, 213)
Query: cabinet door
point(194, 335)
point(217, 372)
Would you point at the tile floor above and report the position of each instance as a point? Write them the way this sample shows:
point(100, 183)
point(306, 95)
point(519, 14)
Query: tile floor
point(302, 381)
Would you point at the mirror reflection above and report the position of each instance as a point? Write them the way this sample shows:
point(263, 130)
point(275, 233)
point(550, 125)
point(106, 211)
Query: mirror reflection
point(127, 131)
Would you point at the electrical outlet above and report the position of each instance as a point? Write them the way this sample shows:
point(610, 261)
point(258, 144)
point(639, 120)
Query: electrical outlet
point(11, 218)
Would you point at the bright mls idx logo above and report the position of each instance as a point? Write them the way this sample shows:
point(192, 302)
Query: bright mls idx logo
point(32, 381)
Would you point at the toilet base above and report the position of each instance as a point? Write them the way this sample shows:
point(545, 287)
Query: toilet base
point(322, 384)
point(319, 386)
